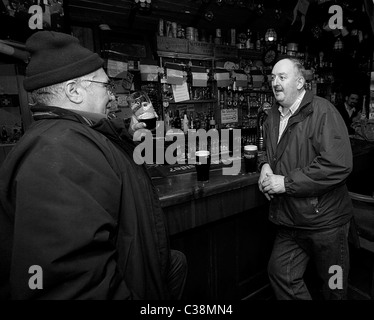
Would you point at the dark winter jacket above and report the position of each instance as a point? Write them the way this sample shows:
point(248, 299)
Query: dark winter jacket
point(73, 202)
point(314, 154)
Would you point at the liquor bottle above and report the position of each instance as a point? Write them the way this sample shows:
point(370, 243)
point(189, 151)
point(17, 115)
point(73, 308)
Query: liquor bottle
point(4, 135)
point(197, 122)
point(185, 123)
point(171, 119)
point(212, 123)
point(258, 42)
point(234, 87)
point(167, 122)
point(279, 46)
point(207, 122)
point(283, 47)
point(177, 120)
point(192, 124)
point(248, 41)
point(221, 94)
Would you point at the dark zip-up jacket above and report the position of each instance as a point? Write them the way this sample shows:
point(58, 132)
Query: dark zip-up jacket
point(73, 202)
point(315, 156)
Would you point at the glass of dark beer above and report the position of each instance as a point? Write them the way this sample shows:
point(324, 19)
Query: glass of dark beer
point(250, 158)
point(202, 165)
point(142, 108)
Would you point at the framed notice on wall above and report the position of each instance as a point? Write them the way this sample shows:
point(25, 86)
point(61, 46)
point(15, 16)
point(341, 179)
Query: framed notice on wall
point(229, 115)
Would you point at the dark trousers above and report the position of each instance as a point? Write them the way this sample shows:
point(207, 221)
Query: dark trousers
point(292, 251)
point(177, 274)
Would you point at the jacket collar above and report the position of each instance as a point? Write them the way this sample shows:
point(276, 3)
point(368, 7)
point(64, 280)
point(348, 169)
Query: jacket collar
point(304, 110)
point(308, 97)
point(113, 128)
point(51, 112)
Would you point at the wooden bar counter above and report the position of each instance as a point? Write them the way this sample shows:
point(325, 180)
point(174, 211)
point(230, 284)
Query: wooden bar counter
point(223, 229)
point(189, 203)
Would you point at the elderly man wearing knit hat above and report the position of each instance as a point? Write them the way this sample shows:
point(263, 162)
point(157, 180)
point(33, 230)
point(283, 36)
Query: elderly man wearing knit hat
point(78, 218)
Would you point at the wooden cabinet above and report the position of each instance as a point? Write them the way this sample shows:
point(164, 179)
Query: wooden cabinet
point(223, 230)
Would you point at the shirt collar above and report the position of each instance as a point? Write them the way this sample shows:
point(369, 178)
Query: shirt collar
point(348, 108)
point(294, 106)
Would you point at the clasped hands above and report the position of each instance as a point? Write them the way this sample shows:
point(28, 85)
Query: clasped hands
point(270, 183)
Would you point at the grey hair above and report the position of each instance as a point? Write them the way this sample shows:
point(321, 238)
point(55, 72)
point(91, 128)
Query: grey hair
point(49, 95)
point(300, 70)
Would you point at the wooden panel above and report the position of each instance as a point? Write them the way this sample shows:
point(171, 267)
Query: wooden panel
point(227, 259)
point(222, 51)
point(172, 44)
point(202, 48)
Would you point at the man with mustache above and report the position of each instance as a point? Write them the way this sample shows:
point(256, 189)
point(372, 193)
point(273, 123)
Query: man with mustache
point(307, 160)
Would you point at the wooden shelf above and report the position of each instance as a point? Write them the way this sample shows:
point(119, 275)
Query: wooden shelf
point(194, 101)
point(176, 55)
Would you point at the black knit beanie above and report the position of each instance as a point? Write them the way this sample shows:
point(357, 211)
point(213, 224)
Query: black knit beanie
point(57, 57)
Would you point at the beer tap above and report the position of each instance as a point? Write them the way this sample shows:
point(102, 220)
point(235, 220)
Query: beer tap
point(261, 117)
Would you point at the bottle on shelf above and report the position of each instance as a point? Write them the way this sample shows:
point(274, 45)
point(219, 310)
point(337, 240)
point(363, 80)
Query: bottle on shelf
point(171, 119)
point(258, 42)
point(197, 122)
point(167, 121)
point(177, 120)
point(279, 46)
point(185, 123)
point(192, 122)
point(4, 135)
point(212, 122)
point(248, 41)
point(207, 122)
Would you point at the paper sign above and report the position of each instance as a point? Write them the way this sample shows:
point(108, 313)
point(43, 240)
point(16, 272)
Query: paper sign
point(241, 79)
point(115, 68)
point(180, 92)
point(222, 77)
point(148, 72)
point(174, 76)
point(199, 79)
point(229, 115)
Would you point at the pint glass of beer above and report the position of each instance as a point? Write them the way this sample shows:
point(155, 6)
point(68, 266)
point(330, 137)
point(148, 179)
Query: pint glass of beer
point(202, 165)
point(142, 109)
point(250, 158)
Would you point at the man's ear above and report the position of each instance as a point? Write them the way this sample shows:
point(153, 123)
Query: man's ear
point(73, 91)
point(300, 82)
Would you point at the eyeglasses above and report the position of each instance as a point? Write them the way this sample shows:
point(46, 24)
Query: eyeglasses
point(110, 85)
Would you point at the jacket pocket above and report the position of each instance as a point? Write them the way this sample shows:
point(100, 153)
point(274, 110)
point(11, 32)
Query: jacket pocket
point(302, 210)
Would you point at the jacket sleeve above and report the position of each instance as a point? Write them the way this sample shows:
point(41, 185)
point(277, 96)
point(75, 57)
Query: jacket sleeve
point(66, 192)
point(333, 162)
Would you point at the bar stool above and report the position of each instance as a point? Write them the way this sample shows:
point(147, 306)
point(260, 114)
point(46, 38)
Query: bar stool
point(362, 228)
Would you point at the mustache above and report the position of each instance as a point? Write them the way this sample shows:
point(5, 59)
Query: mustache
point(277, 87)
